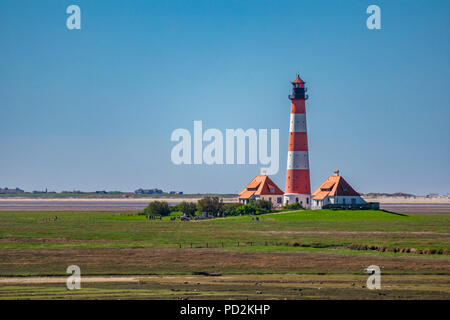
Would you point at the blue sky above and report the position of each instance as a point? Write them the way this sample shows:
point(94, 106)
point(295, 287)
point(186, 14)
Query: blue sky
point(94, 109)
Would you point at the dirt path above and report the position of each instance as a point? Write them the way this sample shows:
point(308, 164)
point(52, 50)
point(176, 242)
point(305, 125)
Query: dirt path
point(148, 261)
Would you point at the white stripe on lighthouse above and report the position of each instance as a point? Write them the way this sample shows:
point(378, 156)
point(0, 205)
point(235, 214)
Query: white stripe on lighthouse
point(298, 122)
point(297, 160)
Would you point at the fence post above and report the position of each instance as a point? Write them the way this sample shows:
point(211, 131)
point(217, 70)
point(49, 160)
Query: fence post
point(238, 243)
point(207, 244)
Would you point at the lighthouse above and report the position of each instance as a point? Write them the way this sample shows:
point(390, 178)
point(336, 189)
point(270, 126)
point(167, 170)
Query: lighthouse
point(298, 187)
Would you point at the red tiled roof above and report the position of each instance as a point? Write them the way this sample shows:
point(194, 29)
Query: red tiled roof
point(246, 194)
point(254, 184)
point(321, 195)
point(262, 184)
point(339, 187)
point(327, 185)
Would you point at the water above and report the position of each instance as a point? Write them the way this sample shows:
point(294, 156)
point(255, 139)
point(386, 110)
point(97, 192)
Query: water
point(69, 205)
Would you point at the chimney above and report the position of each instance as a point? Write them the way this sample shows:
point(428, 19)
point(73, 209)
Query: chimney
point(336, 172)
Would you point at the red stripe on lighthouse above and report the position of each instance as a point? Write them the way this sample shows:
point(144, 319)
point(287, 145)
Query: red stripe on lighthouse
point(298, 106)
point(297, 181)
point(298, 141)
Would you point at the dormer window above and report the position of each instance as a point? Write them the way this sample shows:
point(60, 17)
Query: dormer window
point(251, 189)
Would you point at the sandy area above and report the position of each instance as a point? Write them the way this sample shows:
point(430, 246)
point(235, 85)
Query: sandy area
point(394, 204)
point(418, 199)
point(97, 199)
point(128, 200)
point(415, 200)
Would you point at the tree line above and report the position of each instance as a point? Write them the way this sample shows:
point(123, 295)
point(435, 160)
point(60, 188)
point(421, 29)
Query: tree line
point(211, 206)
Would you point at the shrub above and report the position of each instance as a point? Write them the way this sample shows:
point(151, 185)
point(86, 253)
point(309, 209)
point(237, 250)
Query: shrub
point(175, 208)
point(263, 206)
point(293, 206)
point(188, 208)
point(210, 205)
point(253, 207)
point(230, 209)
point(246, 209)
point(157, 208)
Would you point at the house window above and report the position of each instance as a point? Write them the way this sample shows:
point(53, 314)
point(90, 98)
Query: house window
point(272, 190)
point(343, 201)
point(353, 201)
point(270, 199)
point(279, 200)
point(307, 200)
point(296, 199)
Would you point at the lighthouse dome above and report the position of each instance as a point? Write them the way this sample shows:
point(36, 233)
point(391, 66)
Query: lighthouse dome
point(298, 80)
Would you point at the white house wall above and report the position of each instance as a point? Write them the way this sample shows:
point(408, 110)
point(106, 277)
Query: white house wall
point(337, 200)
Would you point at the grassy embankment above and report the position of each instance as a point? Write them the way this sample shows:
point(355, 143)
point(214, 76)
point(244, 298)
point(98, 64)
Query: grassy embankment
point(299, 230)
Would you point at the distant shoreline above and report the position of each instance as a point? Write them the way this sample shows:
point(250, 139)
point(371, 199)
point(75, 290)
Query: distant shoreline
point(194, 198)
point(110, 195)
point(394, 204)
point(121, 199)
point(412, 200)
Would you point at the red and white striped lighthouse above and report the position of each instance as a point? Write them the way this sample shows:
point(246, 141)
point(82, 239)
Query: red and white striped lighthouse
point(298, 186)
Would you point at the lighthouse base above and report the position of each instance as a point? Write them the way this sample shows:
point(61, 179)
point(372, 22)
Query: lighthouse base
point(303, 199)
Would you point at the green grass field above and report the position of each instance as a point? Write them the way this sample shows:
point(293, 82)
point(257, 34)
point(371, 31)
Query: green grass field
point(316, 243)
point(320, 228)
